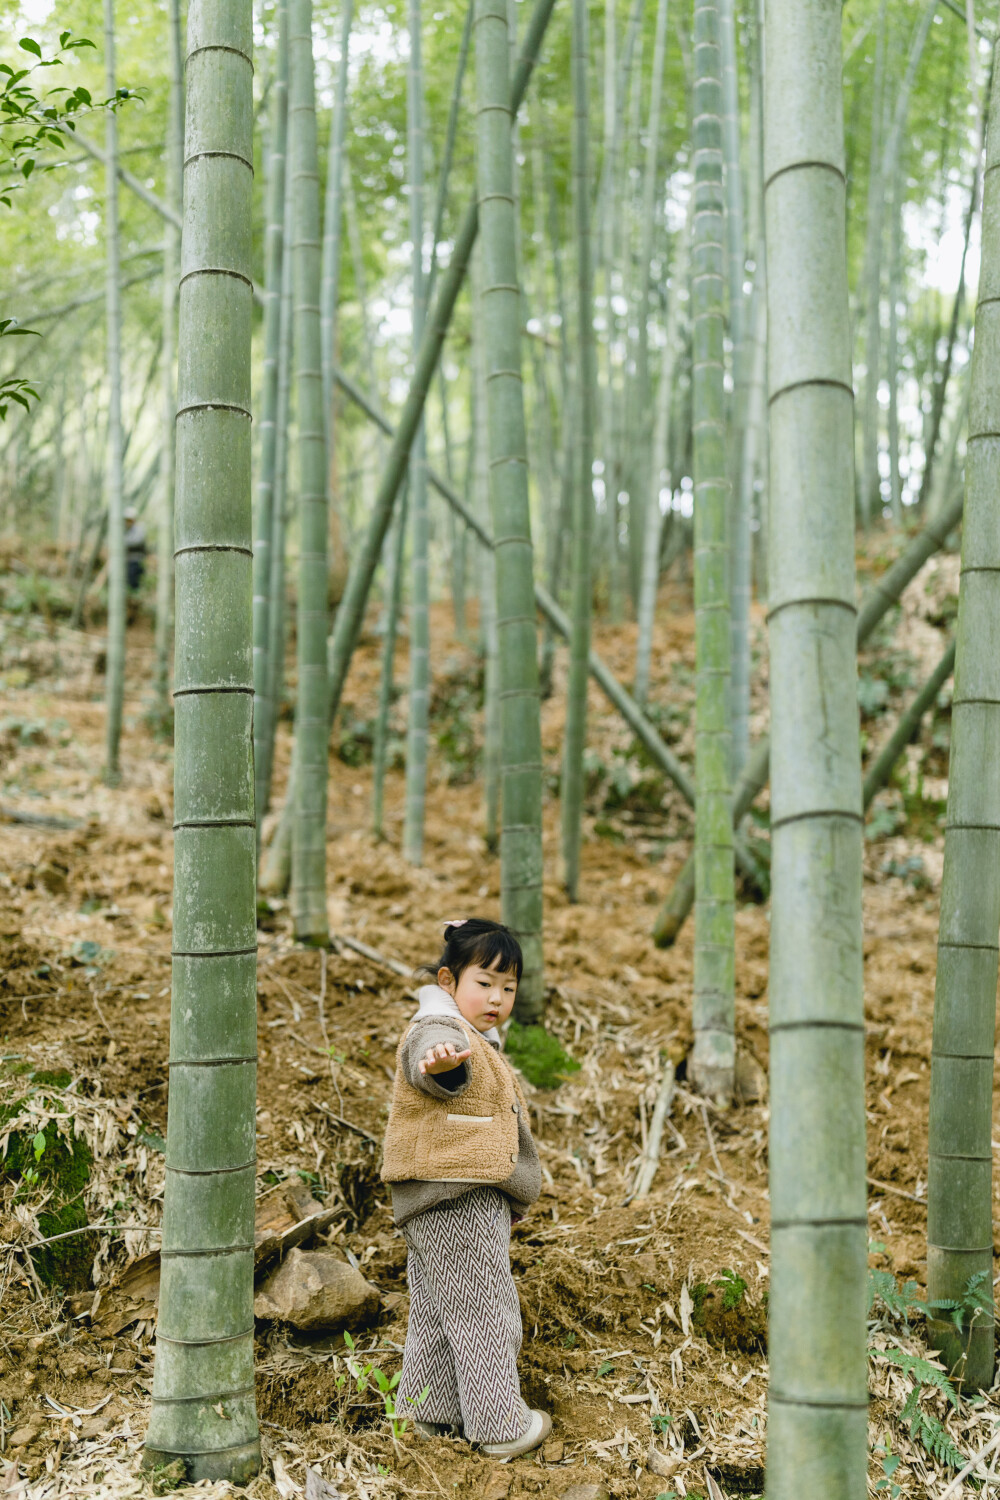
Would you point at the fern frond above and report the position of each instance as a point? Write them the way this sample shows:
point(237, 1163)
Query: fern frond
point(920, 1370)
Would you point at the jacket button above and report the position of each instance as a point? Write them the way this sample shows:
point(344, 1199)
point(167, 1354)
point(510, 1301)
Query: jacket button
point(516, 1108)
point(513, 1157)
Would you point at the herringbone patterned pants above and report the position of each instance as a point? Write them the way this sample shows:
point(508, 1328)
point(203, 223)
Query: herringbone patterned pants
point(465, 1320)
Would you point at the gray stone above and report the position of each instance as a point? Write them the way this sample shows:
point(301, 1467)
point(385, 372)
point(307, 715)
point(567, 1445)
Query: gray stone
point(585, 1492)
point(314, 1289)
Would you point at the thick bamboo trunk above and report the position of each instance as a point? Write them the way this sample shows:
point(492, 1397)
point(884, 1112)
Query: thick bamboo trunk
point(311, 708)
point(487, 575)
point(264, 518)
point(520, 724)
point(960, 1171)
point(818, 1395)
point(204, 1409)
point(583, 484)
point(171, 261)
point(419, 614)
point(115, 648)
point(713, 1057)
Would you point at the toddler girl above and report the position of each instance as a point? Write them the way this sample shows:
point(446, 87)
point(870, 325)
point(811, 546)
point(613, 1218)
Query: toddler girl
point(460, 1161)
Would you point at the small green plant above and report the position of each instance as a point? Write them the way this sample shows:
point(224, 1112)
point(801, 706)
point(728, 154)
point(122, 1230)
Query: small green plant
point(539, 1056)
point(888, 1302)
point(733, 1288)
point(364, 1375)
point(660, 1422)
point(890, 1463)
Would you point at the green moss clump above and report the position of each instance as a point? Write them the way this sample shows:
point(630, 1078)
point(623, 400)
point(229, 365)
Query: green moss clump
point(723, 1312)
point(48, 1163)
point(539, 1056)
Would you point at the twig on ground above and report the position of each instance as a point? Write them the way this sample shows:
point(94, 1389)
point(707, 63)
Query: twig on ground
point(652, 1146)
point(392, 964)
point(977, 1458)
point(321, 1003)
point(752, 1240)
point(348, 1124)
point(82, 1229)
point(887, 1187)
point(37, 820)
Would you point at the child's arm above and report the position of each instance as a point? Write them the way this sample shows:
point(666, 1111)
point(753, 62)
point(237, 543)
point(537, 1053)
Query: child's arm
point(434, 1059)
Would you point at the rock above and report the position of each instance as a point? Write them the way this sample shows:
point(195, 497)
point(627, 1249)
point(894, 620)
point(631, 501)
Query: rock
point(750, 1078)
point(553, 1451)
point(94, 1428)
point(497, 1486)
point(313, 1289)
point(22, 1436)
point(585, 1492)
point(659, 1463)
point(52, 877)
point(576, 1361)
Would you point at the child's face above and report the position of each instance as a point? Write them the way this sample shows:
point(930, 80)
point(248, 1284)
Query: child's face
point(485, 997)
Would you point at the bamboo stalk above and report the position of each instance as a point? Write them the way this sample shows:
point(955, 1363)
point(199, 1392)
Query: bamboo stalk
point(204, 1409)
point(909, 722)
point(311, 712)
point(714, 1054)
point(264, 518)
point(171, 261)
point(419, 513)
point(115, 647)
point(818, 1391)
point(960, 1168)
point(500, 304)
point(571, 806)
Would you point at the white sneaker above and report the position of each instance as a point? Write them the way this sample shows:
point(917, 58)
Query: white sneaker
point(538, 1429)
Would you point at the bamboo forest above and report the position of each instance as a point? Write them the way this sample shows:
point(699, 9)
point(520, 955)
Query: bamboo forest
point(522, 468)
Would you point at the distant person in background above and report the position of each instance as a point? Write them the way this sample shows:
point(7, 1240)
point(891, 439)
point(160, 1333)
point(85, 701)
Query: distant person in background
point(135, 549)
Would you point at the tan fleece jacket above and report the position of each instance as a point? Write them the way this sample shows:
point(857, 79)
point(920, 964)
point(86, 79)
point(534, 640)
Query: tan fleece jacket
point(451, 1131)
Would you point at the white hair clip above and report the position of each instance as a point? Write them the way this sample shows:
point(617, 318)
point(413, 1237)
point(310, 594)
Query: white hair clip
point(455, 922)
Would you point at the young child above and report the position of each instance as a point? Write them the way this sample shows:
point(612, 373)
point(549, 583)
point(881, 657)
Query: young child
point(460, 1161)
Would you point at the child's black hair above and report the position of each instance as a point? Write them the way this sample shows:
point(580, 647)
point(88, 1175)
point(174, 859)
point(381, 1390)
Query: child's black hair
point(478, 941)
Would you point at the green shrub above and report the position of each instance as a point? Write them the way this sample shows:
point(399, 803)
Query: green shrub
point(539, 1056)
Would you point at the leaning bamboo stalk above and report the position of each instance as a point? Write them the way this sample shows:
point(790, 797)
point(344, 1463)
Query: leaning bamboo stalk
point(311, 719)
point(960, 1166)
point(818, 1388)
point(882, 596)
point(617, 696)
point(347, 626)
point(204, 1409)
point(909, 721)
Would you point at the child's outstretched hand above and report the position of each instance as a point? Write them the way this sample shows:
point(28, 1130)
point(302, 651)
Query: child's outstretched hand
point(442, 1058)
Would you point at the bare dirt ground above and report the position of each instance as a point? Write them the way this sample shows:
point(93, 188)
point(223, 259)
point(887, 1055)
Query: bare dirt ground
point(645, 1321)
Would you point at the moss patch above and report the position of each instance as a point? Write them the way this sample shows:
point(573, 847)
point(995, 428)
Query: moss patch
point(539, 1056)
point(48, 1164)
point(725, 1315)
